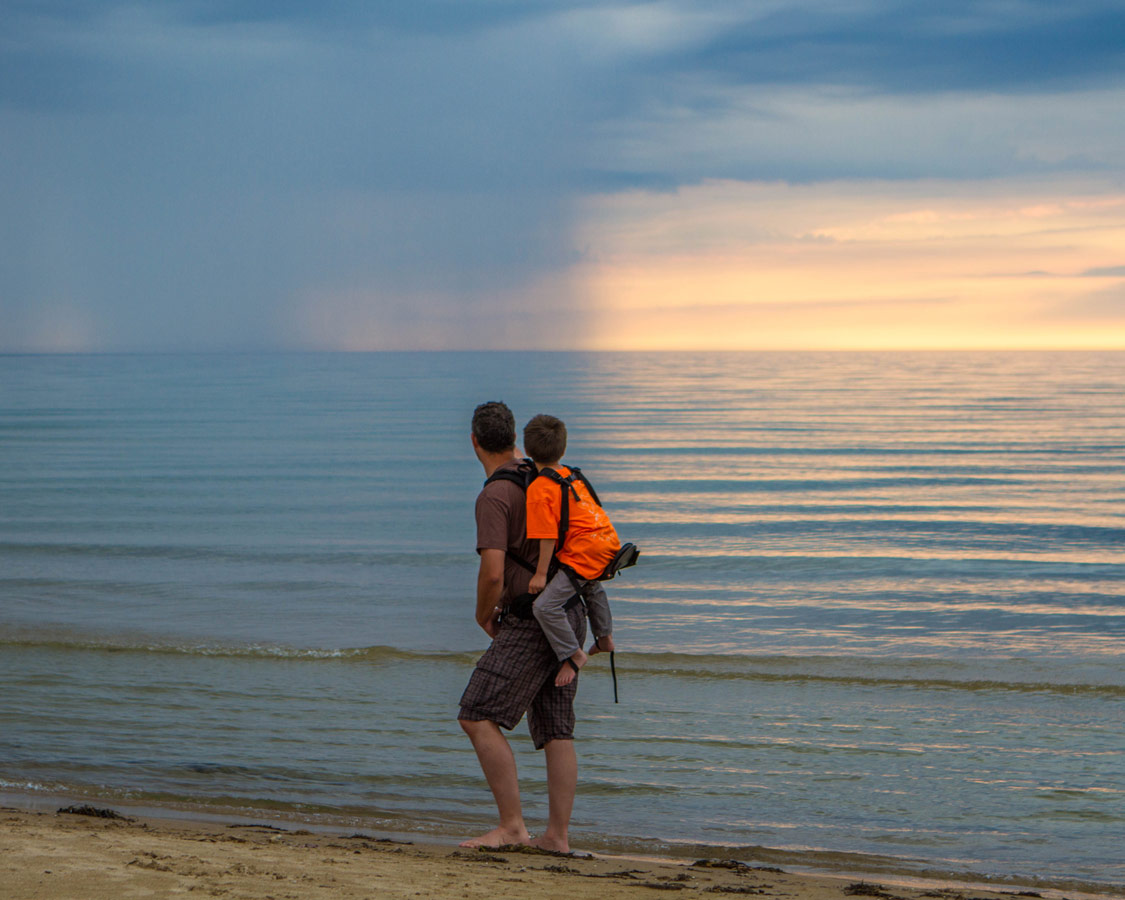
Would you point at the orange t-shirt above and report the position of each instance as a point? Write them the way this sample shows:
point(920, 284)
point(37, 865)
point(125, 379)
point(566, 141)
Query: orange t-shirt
point(590, 542)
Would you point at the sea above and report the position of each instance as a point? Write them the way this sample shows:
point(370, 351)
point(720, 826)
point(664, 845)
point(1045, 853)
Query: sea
point(876, 625)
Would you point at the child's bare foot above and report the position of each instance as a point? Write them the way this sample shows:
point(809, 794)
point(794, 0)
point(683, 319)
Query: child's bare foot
point(568, 671)
point(604, 644)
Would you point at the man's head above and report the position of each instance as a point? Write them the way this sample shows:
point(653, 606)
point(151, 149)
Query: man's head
point(494, 428)
point(544, 439)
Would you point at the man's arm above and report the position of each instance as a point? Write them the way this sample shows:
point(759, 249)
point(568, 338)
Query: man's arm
point(490, 585)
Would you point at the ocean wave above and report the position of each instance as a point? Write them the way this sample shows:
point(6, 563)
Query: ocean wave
point(829, 566)
point(920, 673)
point(841, 485)
point(334, 555)
point(264, 651)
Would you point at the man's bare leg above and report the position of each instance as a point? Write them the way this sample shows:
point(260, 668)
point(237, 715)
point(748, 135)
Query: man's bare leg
point(499, 767)
point(562, 781)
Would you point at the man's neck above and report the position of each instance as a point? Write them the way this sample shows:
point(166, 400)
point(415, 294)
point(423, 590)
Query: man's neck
point(493, 461)
point(548, 465)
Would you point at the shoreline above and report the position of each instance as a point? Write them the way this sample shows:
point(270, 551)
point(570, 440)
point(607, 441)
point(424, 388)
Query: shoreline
point(134, 851)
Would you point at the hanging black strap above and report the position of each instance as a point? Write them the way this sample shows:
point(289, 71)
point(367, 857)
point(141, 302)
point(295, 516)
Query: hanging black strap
point(612, 668)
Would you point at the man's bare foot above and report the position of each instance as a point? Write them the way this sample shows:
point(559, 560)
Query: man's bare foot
point(547, 843)
point(604, 644)
point(498, 837)
point(568, 671)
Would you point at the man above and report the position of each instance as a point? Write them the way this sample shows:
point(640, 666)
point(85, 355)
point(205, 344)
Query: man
point(517, 672)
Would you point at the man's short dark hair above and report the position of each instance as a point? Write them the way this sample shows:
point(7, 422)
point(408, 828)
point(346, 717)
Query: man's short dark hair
point(494, 427)
point(544, 439)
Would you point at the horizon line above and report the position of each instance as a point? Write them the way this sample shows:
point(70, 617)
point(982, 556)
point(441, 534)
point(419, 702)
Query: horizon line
point(297, 351)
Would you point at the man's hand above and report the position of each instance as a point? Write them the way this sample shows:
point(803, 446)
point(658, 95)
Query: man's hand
point(538, 582)
point(492, 626)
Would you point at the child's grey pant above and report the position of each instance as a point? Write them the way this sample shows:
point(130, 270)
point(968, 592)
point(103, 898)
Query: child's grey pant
point(551, 616)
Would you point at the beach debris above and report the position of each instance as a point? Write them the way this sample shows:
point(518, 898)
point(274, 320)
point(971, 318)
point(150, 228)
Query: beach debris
point(868, 889)
point(366, 837)
point(948, 894)
point(92, 811)
point(735, 889)
point(720, 864)
point(624, 873)
point(661, 885)
point(735, 864)
point(539, 851)
point(560, 870)
point(479, 855)
point(258, 825)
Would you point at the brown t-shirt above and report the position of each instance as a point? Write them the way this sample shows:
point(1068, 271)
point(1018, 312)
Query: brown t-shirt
point(502, 525)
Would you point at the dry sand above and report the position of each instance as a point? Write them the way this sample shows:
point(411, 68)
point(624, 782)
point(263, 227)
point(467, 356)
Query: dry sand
point(55, 856)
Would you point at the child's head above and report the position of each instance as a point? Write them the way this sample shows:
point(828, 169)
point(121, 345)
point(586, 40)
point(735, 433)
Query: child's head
point(494, 427)
point(544, 439)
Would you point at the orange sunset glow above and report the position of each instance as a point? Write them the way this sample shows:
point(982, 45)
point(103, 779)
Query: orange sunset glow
point(847, 265)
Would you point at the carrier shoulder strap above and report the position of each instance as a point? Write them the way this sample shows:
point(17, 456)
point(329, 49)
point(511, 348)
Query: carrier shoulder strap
point(577, 473)
point(520, 561)
point(566, 484)
point(525, 473)
point(521, 476)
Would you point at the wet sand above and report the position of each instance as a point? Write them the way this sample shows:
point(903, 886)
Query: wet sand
point(59, 856)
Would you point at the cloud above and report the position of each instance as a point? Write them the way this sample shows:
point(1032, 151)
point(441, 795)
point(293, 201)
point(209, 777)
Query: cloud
point(814, 91)
point(210, 174)
point(204, 173)
point(701, 131)
point(904, 48)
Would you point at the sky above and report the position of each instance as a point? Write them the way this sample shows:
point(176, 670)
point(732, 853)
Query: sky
point(197, 175)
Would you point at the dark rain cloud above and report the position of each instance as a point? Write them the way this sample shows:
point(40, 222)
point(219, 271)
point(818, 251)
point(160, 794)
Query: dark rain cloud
point(184, 180)
point(444, 17)
point(909, 47)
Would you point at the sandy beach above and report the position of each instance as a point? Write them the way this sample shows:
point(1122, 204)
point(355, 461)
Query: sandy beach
point(58, 856)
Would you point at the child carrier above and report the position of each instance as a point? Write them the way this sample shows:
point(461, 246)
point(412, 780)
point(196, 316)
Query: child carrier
point(525, 473)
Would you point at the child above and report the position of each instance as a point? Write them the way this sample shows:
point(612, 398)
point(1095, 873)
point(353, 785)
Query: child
point(588, 546)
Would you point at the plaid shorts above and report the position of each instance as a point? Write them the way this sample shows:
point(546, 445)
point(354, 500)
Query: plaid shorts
point(516, 675)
